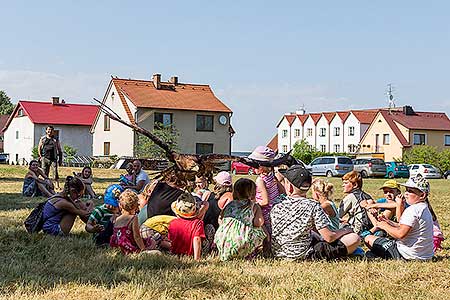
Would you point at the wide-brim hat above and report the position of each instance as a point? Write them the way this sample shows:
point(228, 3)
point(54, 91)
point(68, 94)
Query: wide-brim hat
point(418, 182)
point(185, 206)
point(262, 153)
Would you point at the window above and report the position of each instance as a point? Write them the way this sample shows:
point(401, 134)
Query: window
point(17, 135)
point(323, 131)
point(323, 148)
point(285, 148)
point(419, 139)
point(205, 123)
point(163, 118)
point(337, 131)
point(20, 113)
point(106, 148)
point(106, 123)
point(203, 148)
point(447, 140)
point(386, 139)
point(351, 148)
point(337, 148)
point(309, 132)
point(297, 133)
point(351, 131)
point(284, 133)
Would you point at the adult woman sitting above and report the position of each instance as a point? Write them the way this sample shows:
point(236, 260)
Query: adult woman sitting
point(86, 178)
point(36, 183)
point(61, 209)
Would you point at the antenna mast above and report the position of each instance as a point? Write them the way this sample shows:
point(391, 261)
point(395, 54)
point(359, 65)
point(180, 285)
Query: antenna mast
point(390, 97)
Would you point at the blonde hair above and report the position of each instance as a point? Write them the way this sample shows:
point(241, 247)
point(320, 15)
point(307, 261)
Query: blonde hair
point(129, 201)
point(323, 187)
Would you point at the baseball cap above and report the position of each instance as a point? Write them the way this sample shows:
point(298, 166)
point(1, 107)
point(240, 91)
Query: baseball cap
point(112, 194)
point(223, 178)
point(418, 182)
point(391, 183)
point(299, 176)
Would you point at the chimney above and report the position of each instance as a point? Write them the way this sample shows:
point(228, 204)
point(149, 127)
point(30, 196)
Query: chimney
point(55, 100)
point(174, 80)
point(157, 81)
point(301, 111)
point(408, 110)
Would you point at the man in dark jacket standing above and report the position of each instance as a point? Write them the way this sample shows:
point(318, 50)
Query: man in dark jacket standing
point(50, 153)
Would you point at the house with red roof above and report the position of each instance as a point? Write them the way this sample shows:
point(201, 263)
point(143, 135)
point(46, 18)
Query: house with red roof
point(395, 130)
point(27, 123)
point(327, 132)
point(203, 121)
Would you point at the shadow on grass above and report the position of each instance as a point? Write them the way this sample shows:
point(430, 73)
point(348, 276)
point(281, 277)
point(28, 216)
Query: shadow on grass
point(41, 262)
point(14, 201)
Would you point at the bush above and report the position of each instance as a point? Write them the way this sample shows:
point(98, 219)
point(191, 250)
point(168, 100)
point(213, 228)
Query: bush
point(306, 153)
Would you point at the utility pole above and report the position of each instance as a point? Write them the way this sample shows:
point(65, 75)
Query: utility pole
point(390, 97)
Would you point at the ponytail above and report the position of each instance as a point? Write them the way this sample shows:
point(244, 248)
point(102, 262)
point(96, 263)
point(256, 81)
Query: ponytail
point(72, 184)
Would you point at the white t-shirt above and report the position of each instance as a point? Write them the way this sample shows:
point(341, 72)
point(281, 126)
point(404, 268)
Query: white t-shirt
point(142, 176)
point(418, 244)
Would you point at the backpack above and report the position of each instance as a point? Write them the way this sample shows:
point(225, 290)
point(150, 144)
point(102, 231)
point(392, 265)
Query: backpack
point(360, 196)
point(33, 223)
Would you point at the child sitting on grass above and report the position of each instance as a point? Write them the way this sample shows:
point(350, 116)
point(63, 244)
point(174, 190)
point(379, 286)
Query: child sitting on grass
point(322, 192)
point(353, 205)
point(413, 234)
point(241, 233)
point(126, 235)
point(86, 178)
point(187, 230)
point(101, 220)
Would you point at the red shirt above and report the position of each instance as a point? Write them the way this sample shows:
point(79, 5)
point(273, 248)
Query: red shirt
point(182, 233)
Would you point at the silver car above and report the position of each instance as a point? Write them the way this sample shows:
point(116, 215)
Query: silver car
point(370, 167)
point(424, 170)
point(331, 166)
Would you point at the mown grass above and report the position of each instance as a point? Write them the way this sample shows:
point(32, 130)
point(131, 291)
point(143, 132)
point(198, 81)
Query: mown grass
point(44, 267)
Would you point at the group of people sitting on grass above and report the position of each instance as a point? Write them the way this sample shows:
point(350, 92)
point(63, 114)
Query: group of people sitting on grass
point(272, 217)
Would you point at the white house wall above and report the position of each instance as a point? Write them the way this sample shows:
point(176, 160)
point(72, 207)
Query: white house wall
point(311, 140)
point(20, 148)
point(337, 140)
point(297, 124)
point(75, 136)
point(351, 140)
point(322, 123)
point(120, 137)
point(284, 125)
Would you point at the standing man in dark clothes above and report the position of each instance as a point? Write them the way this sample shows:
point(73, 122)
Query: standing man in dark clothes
point(50, 153)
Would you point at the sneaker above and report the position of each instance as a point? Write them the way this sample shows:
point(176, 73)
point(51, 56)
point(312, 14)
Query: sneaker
point(358, 252)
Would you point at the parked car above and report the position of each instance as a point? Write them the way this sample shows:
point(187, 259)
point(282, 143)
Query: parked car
point(331, 166)
point(446, 174)
point(4, 158)
point(240, 168)
point(424, 170)
point(370, 167)
point(396, 169)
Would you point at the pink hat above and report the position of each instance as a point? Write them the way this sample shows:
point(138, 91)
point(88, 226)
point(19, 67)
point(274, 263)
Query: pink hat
point(262, 153)
point(223, 178)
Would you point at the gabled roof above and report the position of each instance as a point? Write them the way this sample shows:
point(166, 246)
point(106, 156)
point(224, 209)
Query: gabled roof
point(289, 118)
point(302, 118)
point(273, 144)
point(394, 127)
point(180, 96)
point(56, 114)
point(329, 116)
point(343, 115)
point(315, 117)
point(422, 120)
point(365, 116)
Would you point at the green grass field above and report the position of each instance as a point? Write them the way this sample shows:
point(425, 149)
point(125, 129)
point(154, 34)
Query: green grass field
point(44, 267)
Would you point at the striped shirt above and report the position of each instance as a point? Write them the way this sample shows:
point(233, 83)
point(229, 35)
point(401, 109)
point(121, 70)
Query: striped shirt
point(272, 191)
point(101, 215)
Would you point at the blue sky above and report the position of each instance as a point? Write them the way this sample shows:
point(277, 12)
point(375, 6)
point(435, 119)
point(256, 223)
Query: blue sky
point(261, 58)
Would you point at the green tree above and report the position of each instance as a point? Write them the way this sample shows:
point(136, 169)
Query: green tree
point(306, 153)
point(6, 107)
point(444, 160)
point(422, 154)
point(70, 152)
point(147, 148)
point(34, 152)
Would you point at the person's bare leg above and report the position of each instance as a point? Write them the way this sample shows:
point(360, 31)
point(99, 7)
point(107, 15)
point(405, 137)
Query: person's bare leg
point(67, 222)
point(44, 190)
point(369, 240)
point(351, 241)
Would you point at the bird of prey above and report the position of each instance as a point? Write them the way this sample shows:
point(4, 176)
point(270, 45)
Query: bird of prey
point(184, 167)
